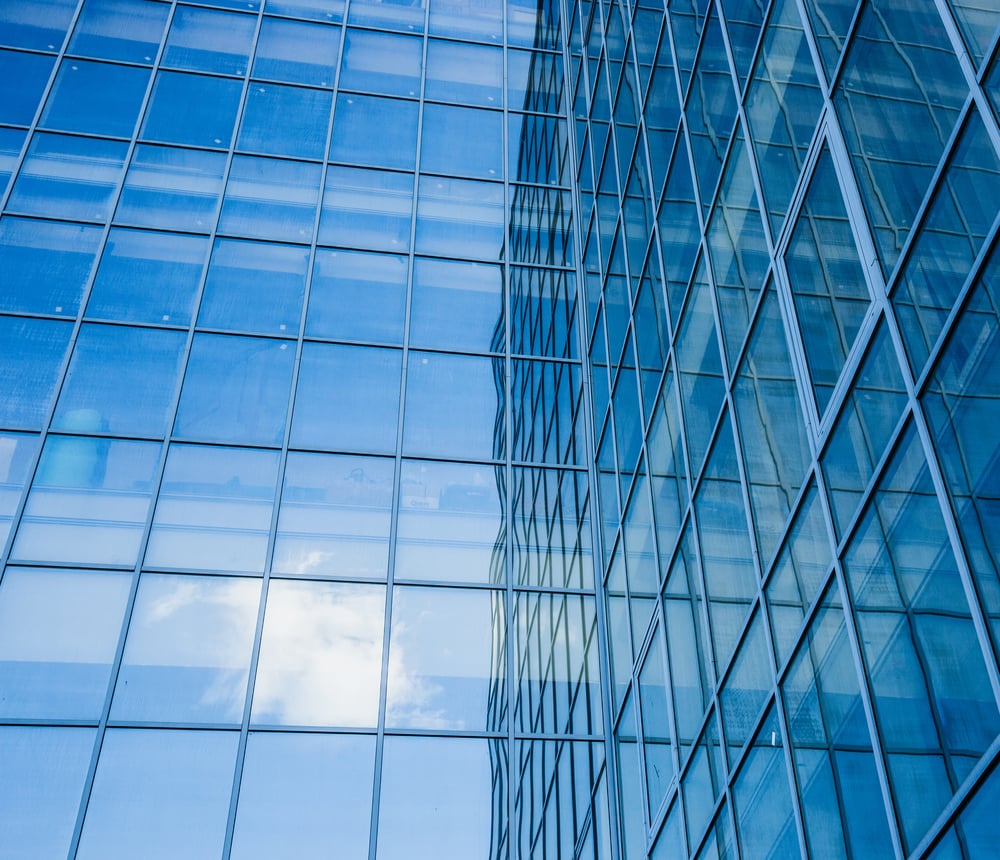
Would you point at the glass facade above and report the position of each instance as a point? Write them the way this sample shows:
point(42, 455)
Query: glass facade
point(499, 430)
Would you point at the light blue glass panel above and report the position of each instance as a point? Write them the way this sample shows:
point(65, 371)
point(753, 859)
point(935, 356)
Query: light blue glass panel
point(457, 306)
point(535, 81)
point(357, 296)
point(978, 23)
point(207, 40)
point(46, 264)
point(172, 188)
point(389, 16)
point(366, 209)
point(546, 412)
point(159, 794)
point(192, 109)
point(450, 525)
point(126, 30)
point(279, 120)
point(462, 141)
point(254, 286)
point(236, 389)
point(95, 98)
point(17, 455)
point(482, 22)
point(541, 226)
point(41, 25)
point(121, 380)
point(976, 825)
point(452, 406)
point(460, 218)
point(382, 63)
point(214, 509)
point(657, 737)
point(375, 131)
point(321, 654)
point(11, 142)
point(469, 74)
point(543, 304)
point(148, 277)
point(302, 793)
point(296, 51)
point(59, 632)
point(187, 655)
point(440, 797)
point(831, 21)
point(679, 230)
point(347, 398)
point(319, 10)
point(530, 26)
point(88, 502)
point(68, 177)
point(268, 198)
point(335, 516)
point(31, 355)
point(746, 688)
point(22, 85)
point(44, 773)
point(629, 777)
point(538, 149)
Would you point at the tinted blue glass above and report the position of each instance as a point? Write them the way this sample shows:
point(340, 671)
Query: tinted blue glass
point(95, 98)
point(68, 177)
point(460, 218)
point(209, 41)
point(296, 51)
point(127, 30)
point(366, 209)
point(375, 131)
point(148, 277)
point(172, 188)
point(481, 22)
point(31, 355)
point(381, 63)
point(121, 380)
point(150, 780)
point(462, 141)
point(469, 74)
point(389, 16)
point(452, 406)
point(357, 296)
point(194, 109)
point(22, 82)
point(39, 25)
point(289, 121)
point(267, 198)
point(46, 264)
point(457, 306)
point(11, 141)
point(236, 389)
point(253, 286)
point(347, 398)
point(320, 10)
point(17, 456)
point(44, 774)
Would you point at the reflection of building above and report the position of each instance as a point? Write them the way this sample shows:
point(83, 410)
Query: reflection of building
point(488, 430)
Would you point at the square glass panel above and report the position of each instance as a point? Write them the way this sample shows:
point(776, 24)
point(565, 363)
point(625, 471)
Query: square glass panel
point(267, 198)
point(95, 98)
point(280, 120)
point(22, 85)
point(457, 306)
point(209, 40)
point(128, 30)
point(198, 110)
point(468, 74)
point(385, 63)
point(462, 141)
point(460, 218)
point(366, 209)
point(373, 131)
point(296, 51)
point(41, 26)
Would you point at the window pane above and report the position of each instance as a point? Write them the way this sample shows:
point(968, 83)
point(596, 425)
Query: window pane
point(381, 63)
point(208, 40)
point(321, 654)
point(22, 85)
point(29, 368)
point(460, 218)
point(290, 121)
point(457, 306)
point(214, 509)
point(296, 51)
point(270, 199)
point(374, 131)
point(17, 455)
point(39, 25)
point(470, 74)
point(462, 141)
point(187, 656)
point(126, 30)
point(367, 209)
point(96, 98)
point(193, 109)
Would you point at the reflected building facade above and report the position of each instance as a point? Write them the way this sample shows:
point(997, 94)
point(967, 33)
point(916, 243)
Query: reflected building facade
point(498, 430)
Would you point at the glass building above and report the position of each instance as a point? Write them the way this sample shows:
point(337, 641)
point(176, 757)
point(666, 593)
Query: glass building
point(492, 430)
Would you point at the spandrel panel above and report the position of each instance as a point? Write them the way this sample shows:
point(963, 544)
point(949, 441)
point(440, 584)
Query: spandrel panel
point(468, 74)
point(119, 30)
point(29, 368)
point(375, 131)
point(460, 218)
point(187, 655)
point(457, 305)
point(68, 177)
point(347, 398)
point(269, 198)
point(236, 390)
point(59, 632)
point(334, 517)
point(214, 509)
point(462, 141)
point(172, 188)
point(88, 501)
point(254, 286)
point(357, 296)
point(120, 380)
point(321, 654)
point(447, 660)
point(17, 455)
point(454, 407)
point(192, 109)
point(149, 780)
point(25, 77)
point(95, 98)
point(550, 529)
point(366, 209)
point(148, 277)
point(543, 306)
point(46, 264)
point(302, 793)
point(296, 51)
point(209, 40)
point(44, 774)
point(287, 121)
point(383, 63)
point(450, 525)
point(442, 797)
point(40, 26)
